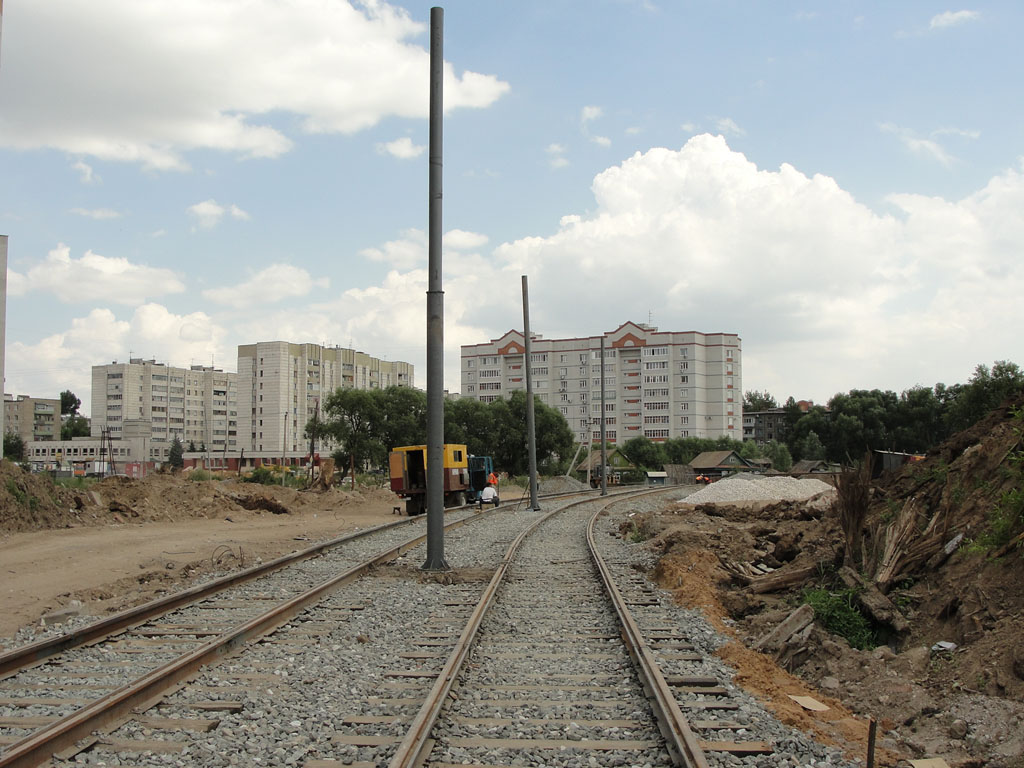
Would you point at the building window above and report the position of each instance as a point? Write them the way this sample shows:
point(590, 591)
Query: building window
point(656, 365)
point(655, 406)
point(684, 366)
point(654, 351)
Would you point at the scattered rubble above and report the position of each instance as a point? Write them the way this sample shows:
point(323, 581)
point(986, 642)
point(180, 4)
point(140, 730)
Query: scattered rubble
point(944, 676)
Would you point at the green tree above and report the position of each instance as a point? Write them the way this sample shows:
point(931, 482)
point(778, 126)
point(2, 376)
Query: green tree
point(779, 455)
point(968, 403)
point(14, 446)
point(811, 447)
point(645, 454)
point(553, 438)
point(74, 426)
point(758, 401)
point(403, 416)
point(69, 404)
point(191, 446)
point(175, 456)
point(354, 421)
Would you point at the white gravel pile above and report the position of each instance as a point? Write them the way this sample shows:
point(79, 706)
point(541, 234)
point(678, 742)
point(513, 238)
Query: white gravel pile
point(758, 488)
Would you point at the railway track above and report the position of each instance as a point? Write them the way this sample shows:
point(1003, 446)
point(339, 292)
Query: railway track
point(511, 658)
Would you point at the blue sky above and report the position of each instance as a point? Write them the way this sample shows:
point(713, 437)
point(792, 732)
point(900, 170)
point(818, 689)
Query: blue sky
point(839, 183)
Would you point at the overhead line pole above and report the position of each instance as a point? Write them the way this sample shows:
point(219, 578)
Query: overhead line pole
point(435, 309)
point(531, 440)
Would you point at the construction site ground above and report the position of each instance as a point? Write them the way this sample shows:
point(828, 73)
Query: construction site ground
point(130, 541)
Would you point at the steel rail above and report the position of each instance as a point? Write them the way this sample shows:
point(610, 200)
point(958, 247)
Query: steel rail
point(684, 746)
point(413, 749)
point(35, 653)
point(119, 705)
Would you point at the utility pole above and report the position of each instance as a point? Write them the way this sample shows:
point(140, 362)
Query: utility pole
point(531, 441)
point(604, 449)
point(435, 308)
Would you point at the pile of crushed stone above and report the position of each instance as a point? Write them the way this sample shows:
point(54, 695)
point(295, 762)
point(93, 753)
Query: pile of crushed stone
point(758, 488)
point(560, 484)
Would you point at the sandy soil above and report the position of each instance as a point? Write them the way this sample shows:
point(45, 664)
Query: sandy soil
point(45, 570)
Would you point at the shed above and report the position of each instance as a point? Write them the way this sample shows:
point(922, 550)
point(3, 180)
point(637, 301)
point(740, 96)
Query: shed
point(657, 478)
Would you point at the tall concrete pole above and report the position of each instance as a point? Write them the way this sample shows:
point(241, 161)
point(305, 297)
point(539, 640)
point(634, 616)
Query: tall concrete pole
point(435, 310)
point(3, 314)
point(531, 440)
point(3, 294)
point(604, 450)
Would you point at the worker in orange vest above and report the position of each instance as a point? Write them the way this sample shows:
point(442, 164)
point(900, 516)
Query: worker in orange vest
point(492, 479)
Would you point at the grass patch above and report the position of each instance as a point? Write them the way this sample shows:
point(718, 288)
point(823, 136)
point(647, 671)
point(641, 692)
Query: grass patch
point(200, 475)
point(837, 612)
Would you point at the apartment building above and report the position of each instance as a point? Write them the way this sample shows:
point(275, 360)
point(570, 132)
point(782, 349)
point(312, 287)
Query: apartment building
point(32, 418)
point(281, 385)
point(658, 384)
point(198, 405)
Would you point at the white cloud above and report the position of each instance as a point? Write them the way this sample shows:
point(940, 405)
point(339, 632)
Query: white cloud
point(796, 264)
point(94, 278)
point(603, 141)
point(402, 148)
point(97, 213)
point(918, 145)
point(209, 213)
point(590, 113)
point(729, 127)
point(339, 67)
point(408, 252)
point(64, 360)
point(690, 127)
point(276, 283)
point(461, 240)
point(953, 19)
point(556, 155)
point(85, 173)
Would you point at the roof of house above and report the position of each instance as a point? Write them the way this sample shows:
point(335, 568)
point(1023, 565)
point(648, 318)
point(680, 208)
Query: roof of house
point(615, 460)
point(719, 460)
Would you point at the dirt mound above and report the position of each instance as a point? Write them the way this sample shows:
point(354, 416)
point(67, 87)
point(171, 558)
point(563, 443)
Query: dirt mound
point(30, 502)
point(749, 565)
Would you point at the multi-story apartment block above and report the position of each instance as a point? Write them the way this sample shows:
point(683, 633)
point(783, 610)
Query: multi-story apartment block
point(658, 384)
point(198, 405)
point(771, 424)
point(281, 385)
point(33, 418)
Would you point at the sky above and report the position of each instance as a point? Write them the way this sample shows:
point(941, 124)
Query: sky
point(839, 183)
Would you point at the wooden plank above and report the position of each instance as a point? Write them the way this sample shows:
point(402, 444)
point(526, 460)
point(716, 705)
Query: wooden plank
point(178, 724)
point(41, 702)
point(680, 656)
point(716, 725)
point(422, 655)
point(560, 722)
point(207, 706)
point(139, 745)
point(27, 722)
point(374, 719)
point(709, 705)
point(336, 764)
point(415, 673)
point(592, 744)
point(553, 688)
point(737, 747)
point(701, 681)
point(365, 740)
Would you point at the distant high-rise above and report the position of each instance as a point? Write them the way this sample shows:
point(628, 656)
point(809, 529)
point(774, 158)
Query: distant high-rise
point(658, 384)
point(281, 385)
point(198, 405)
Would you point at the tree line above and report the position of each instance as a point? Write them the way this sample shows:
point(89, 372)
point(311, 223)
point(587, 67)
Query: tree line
point(366, 425)
point(914, 421)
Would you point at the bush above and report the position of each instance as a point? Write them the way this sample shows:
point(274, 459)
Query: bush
point(837, 613)
point(263, 476)
point(199, 475)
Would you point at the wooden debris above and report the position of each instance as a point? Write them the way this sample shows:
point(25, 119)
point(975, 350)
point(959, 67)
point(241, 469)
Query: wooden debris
point(783, 578)
point(776, 640)
point(874, 602)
